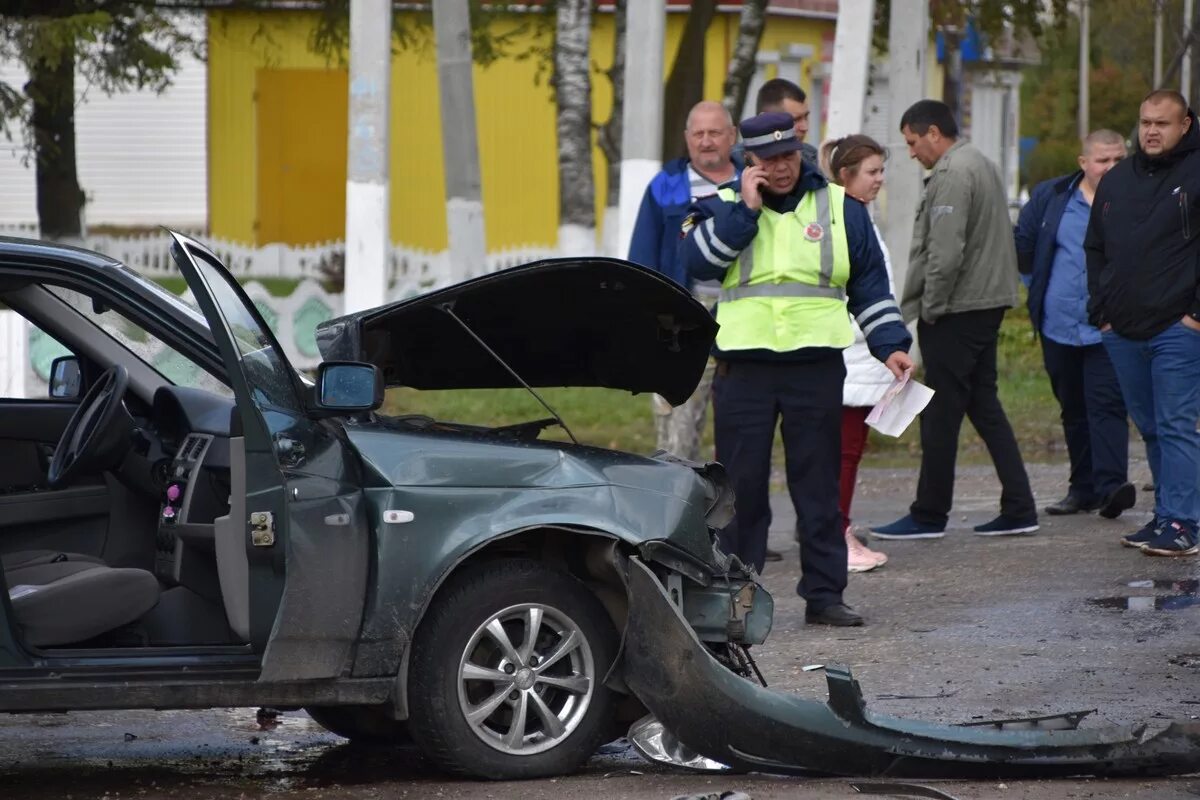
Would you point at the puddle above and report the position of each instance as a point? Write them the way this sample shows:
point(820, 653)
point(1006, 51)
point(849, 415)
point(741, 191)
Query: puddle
point(1167, 603)
point(1189, 586)
point(1186, 595)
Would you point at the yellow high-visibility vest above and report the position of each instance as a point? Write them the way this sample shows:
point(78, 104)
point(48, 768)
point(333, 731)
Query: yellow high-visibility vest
point(787, 290)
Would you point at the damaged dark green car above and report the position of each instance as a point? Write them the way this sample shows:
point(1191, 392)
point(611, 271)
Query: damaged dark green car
point(186, 522)
point(235, 535)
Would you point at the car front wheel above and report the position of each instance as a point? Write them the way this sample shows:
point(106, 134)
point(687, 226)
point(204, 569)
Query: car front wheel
point(507, 673)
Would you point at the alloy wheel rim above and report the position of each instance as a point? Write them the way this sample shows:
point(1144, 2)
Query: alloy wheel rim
point(526, 679)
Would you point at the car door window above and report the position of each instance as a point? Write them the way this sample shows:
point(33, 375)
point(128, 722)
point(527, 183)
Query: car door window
point(167, 361)
point(269, 377)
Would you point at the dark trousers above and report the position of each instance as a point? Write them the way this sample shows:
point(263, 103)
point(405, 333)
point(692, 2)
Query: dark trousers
point(854, 444)
point(749, 398)
point(959, 354)
point(1093, 417)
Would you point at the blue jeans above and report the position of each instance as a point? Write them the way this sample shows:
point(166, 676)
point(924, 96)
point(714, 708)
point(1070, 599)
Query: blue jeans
point(1160, 380)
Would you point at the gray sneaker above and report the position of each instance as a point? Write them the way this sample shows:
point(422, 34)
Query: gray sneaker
point(1174, 539)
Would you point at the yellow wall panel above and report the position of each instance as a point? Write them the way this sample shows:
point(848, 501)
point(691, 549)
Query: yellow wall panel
point(515, 118)
point(515, 124)
point(418, 193)
point(239, 44)
point(301, 155)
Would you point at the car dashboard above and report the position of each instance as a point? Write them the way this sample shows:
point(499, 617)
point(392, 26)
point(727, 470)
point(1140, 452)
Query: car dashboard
point(193, 428)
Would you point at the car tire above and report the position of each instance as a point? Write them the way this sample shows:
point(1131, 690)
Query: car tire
point(361, 724)
point(486, 701)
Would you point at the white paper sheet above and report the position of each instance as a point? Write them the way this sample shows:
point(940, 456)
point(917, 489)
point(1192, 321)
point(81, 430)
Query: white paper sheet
point(899, 406)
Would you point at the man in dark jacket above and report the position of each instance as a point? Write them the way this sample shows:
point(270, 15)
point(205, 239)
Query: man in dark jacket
point(792, 252)
point(1142, 245)
point(1049, 238)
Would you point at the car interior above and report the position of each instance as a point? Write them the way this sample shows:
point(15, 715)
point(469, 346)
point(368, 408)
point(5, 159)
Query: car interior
point(122, 504)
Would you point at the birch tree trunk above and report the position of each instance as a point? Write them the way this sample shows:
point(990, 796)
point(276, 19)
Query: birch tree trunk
point(685, 84)
point(573, 91)
point(611, 132)
point(745, 55)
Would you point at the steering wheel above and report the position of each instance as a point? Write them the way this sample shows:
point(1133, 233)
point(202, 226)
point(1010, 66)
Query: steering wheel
point(88, 433)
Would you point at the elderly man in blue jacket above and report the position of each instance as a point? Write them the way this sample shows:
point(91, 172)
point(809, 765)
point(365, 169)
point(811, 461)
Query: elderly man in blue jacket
point(710, 137)
point(793, 253)
point(1049, 239)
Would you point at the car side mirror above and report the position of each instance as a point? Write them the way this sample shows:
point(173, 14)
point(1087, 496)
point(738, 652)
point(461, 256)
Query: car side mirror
point(64, 377)
point(348, 387)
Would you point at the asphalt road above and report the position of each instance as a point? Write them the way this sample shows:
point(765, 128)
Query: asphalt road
point(960, 628)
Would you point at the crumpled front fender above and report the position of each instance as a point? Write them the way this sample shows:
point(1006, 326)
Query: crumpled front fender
point(729, 719)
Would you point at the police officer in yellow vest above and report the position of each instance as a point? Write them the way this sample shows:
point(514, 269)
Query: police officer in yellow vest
point(794, 254)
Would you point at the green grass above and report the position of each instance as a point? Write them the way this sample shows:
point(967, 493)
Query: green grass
point(602, 417)
point(1024, 392)
point(621, 421)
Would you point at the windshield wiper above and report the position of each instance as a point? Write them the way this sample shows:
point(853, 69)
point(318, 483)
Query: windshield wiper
point(449, 309)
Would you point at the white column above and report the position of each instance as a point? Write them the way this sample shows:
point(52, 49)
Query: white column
point(14, 354)
point(1158, 43)
point(908, 39)
point(851, 60)
point(1185, 68)
point(460, 144)
point(641, 132)
point(368, 238)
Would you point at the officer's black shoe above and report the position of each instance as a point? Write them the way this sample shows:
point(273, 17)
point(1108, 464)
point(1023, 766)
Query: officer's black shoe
point(1071, 504)
point(1121, 499)
point(839, 614)
point(773, 555)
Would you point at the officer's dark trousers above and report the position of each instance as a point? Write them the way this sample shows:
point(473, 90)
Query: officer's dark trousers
point(748, 400)
point(959, 353)
point(1093, 417)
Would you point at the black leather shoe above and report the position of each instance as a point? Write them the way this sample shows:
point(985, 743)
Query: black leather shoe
point(839, 614)
point(773, 555)
point(1071, 504)
point(1121, 499)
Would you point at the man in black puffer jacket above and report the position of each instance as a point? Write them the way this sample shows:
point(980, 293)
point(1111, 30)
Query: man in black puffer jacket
point(1143, 251)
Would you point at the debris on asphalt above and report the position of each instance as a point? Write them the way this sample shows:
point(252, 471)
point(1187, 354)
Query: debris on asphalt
point(902, 790)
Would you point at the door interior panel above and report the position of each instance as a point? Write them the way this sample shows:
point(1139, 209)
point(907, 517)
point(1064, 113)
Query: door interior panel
point(29, 430)
point(72, 520)
point(33, 517)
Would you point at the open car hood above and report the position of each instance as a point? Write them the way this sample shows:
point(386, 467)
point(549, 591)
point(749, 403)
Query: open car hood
point(558, 322)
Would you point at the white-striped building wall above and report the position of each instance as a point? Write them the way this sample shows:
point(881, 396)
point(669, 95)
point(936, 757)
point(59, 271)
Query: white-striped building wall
point(141, 156)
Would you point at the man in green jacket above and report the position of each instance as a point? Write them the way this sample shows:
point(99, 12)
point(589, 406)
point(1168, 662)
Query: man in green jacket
point(962, 275)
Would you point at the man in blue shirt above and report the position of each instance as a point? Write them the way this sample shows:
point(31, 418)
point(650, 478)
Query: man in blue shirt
point(1049, 238)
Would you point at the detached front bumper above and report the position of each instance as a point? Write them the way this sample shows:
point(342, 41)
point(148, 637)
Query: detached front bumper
point(731, 720)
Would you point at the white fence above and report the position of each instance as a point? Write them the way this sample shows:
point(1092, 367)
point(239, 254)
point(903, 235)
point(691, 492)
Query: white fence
point(293, 318)
point(411, 271)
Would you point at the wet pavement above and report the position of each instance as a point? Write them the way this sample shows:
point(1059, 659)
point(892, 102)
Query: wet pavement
point(959, 629)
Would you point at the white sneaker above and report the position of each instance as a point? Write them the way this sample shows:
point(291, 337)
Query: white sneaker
point(861, 558)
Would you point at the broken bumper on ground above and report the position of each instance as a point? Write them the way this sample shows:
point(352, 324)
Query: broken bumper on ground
point(729, 719)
